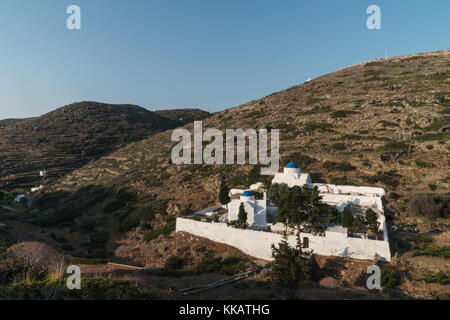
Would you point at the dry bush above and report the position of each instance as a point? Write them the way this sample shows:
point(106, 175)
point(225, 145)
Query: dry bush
point(27, 261)
point(424, 206)
point(35, 254)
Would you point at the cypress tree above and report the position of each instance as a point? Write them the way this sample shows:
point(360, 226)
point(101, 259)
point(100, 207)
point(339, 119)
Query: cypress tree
point(224, 193)
point(242, 215)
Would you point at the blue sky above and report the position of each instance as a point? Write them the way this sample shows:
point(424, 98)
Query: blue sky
point(207, 54)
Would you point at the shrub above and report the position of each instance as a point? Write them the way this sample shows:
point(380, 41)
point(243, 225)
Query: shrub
point(390, 178)
point(441, 136)
point(173, 263)
point(395, 146)
point(342, 113)
point(440, 252)
point(319, 126)
point(233, 265)
point(255, 114)
point(316, 110)
point(425, 206)
point(421, 242)
point(186, 212)
point(143, 212)
point(91, 289)
point(113, 206)
point(443, 278)
point(423, 164)
point(389, 278)
point(438, 124)
point(338, 166)
point(444, 202)
point(338, 146)
point(209, 263)
point(311, 101)
point(166, 230)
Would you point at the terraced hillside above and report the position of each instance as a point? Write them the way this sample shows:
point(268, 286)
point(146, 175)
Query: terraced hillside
point(70, 137)
point(383, 123)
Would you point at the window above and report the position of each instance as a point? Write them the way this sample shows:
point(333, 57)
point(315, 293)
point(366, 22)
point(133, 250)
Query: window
point(305, 242)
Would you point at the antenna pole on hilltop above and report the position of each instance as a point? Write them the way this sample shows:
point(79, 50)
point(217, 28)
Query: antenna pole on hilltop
point(385, 53)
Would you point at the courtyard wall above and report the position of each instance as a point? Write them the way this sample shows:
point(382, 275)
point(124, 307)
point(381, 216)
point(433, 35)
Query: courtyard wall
point(258, 243)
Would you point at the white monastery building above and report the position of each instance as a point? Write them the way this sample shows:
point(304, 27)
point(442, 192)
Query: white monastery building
point(335, 242)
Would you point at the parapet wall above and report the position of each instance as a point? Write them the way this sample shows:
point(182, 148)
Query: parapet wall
point(258, 243)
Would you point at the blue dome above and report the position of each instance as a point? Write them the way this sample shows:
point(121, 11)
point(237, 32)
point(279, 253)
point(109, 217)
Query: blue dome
point(292, 165)
point(247, 194)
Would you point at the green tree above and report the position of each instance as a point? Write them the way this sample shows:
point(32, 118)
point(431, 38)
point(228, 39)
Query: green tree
point(241, 222)
point(290, 265)
point(359, 225)
point(242, 215)
point(297, 206)
point(372, 220)
point(224, 193)
point(277, 191)
point(347, 218)
point(322, 216)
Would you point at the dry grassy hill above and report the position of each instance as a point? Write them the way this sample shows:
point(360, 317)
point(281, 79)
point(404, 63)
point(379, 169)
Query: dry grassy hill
point(381, 123)
point(73, 135)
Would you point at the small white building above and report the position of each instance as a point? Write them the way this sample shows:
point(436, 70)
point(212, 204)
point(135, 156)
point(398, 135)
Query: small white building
point(20, 197)
point(37, 188)
point(292, 177)
point(256, 210)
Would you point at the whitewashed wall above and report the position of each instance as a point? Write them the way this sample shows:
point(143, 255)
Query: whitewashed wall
point(258, 243)
point(340, 201)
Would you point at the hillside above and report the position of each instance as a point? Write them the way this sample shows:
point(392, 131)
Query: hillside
point(183, 116)
point(381, 123)
point(70, 137)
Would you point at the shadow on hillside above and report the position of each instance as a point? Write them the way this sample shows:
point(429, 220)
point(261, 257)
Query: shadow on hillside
point(92, 213)
point(332, 268)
